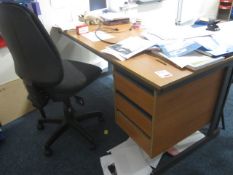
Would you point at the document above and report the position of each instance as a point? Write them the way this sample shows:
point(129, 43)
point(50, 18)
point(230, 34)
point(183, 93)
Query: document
point(129, 159)
point(218, 44)
point(191, 61)
point(129, 47)
point(179, 48)
point(179, 32)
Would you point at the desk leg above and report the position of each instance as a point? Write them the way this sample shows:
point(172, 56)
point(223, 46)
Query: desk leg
point(221, 101)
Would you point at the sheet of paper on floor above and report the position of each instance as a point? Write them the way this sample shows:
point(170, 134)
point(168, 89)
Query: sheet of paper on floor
point(129, 159)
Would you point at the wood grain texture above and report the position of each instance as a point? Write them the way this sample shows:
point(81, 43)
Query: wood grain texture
point(180, 105)
point(142, 66)
point(184, 110)
point(134, 132)
point(135, 93)
point(133, 114)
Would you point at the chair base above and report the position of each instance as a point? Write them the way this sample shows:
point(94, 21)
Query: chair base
point(69, 121)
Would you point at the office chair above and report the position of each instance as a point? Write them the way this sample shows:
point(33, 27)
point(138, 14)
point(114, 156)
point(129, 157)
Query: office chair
point(45, 75)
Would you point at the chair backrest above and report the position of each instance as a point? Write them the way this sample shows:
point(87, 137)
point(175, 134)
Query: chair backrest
point(36, 58)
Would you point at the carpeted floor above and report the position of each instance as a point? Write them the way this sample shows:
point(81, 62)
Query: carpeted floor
point(22, 151)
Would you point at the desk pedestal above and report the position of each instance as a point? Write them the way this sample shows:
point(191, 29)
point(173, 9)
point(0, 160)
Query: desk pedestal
point(155, 119)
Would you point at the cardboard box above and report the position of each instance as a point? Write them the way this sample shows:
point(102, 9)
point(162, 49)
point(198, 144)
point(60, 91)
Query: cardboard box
point(13, 101)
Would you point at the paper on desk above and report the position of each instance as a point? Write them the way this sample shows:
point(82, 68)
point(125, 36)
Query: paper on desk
point(128, 47)
point(67, 25)
point(219, 43)
point(179, 32)
point(216, 45)
point(193, 60)
point(129, 159)
point(103, 35)
point(208, 42)
point(179, 48)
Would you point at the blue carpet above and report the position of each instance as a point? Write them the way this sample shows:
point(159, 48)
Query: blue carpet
point(22, 151)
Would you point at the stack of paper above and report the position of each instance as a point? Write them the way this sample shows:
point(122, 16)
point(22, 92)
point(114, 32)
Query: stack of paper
point(181, 44)
point(192, 61)
point(128, 47)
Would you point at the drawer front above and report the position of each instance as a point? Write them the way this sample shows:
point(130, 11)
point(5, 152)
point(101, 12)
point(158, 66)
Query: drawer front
point(134, 92)
point(133, 114)
point(133, 132)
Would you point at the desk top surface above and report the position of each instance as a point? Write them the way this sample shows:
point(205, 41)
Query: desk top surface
point(142, 65)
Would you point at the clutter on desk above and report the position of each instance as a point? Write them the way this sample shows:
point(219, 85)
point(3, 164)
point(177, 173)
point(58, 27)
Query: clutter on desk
point(128, 158)
point(193, 50)
point(90, 19)
point(111, 18)
point(178, 32)
point(192, 61)
point(179, 48)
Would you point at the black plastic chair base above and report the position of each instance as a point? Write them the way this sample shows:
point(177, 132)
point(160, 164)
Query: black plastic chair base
point(70, 122)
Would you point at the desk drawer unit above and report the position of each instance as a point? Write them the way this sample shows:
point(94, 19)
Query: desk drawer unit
point(157, 121)
point(134, 110)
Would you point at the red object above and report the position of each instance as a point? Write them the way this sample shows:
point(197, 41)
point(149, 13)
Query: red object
point(226, 1)
point(224, 7)
point(81, 29)
point(2, 42)
point(225, 4)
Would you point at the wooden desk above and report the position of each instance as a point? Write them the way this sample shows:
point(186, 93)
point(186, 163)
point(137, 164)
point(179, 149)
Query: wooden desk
point(159, 112)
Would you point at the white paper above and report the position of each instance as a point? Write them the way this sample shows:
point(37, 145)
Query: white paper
point(105, 161)
point(185, 143)
point(103, 35)
point(163, 74)
point(129, 47)
point(208, 42)
point(194, 60)
point(129, 159)
point(179, 32)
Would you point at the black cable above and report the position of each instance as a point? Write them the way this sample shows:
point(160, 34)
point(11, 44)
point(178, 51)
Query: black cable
point(114, 30)
point(108, 42)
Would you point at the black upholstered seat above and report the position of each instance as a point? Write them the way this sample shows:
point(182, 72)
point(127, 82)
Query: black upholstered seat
point(76, 76)
point(45, 75)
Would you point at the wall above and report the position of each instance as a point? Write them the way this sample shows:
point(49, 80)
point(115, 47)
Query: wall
point(58, 11)
point(7, 72)
point(165, 12)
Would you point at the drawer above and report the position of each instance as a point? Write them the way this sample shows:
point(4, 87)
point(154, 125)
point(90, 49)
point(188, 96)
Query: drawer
point(133, 114)
point(134, 92)
point(133, 132)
